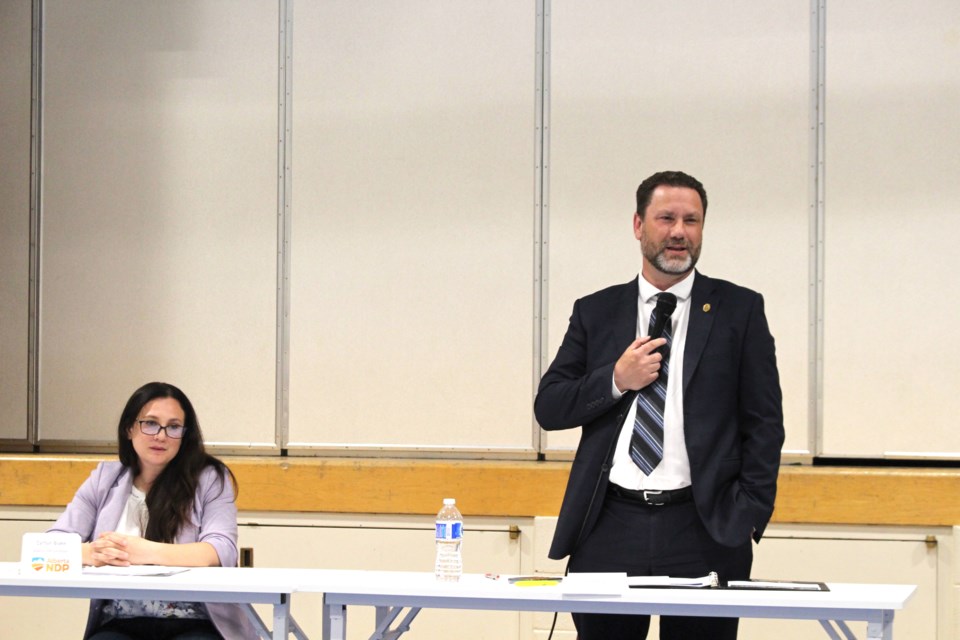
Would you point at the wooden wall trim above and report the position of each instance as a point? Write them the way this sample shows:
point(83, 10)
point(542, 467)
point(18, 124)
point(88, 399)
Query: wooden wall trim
point(857, 495)
point(810, 495)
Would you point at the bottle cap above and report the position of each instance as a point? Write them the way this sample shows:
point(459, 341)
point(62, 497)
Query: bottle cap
point(449, 501)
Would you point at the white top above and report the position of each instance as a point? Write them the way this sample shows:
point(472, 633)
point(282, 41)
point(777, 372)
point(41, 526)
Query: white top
point(673, 472)
point(133, 520)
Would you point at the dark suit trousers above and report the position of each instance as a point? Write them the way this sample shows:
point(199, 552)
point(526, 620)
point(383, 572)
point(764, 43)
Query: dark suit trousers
point(667, 540)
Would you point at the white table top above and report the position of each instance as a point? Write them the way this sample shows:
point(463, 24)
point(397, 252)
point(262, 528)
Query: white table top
point(209, 584)
point(421, 589)
point(394, 587)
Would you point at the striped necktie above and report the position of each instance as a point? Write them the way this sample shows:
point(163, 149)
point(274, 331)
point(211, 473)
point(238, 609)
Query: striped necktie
point(646, 442)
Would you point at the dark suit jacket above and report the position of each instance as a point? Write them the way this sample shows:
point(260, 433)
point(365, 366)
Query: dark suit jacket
point(732, 409)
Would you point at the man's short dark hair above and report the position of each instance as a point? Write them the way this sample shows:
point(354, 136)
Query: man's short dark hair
point(670, 179)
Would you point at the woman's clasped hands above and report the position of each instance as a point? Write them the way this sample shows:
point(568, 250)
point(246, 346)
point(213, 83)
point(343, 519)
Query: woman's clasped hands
point(118, 550)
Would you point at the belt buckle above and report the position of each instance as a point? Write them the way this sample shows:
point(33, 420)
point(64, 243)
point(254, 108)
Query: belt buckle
point(656, 494)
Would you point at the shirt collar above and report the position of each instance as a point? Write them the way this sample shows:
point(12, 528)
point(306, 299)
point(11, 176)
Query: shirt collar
point(682, 289)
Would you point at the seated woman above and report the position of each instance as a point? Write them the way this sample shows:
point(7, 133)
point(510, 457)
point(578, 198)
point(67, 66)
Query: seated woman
point(166, 502)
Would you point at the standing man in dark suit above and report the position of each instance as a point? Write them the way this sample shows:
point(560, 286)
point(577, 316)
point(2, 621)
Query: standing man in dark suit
point(676, 478)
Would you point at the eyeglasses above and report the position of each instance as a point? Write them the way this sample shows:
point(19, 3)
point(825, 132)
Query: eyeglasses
point(152, 428)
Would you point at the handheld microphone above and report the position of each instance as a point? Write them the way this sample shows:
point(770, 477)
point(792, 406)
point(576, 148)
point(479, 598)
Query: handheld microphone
point(666, 303)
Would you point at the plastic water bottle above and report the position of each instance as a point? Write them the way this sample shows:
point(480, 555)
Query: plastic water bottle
point(449, 564)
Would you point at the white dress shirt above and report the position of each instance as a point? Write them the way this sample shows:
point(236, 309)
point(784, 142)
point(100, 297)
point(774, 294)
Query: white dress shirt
point(673, 472)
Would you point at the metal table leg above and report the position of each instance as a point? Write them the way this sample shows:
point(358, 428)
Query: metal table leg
point(334, 621)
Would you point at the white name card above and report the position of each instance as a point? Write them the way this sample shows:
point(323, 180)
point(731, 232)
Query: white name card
point(51, 554)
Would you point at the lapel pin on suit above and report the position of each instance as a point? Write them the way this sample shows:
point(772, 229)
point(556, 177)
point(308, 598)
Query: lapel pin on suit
point(706, 308)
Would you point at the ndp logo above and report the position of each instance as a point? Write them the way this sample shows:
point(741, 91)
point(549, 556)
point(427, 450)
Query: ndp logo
point(41, 564)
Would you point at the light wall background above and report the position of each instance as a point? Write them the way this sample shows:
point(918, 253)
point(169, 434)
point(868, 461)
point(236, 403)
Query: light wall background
point(458, 174)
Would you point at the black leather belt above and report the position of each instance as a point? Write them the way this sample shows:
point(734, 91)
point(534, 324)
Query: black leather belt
point(656, 498)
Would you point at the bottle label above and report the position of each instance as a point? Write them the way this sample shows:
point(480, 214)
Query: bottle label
point(449, 530)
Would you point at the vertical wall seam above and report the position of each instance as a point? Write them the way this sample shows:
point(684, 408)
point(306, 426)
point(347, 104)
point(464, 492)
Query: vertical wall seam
point(816, 182)
point(541, 203)
point(36, 173)
point(284, 199)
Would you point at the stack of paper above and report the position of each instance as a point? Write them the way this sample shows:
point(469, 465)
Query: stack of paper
point(709, 580)
point(585, 585)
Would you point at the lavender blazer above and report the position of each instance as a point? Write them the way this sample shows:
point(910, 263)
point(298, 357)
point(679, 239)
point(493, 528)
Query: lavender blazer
point(99, 502)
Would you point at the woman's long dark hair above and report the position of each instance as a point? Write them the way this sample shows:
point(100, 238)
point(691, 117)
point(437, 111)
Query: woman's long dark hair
point(171, 498)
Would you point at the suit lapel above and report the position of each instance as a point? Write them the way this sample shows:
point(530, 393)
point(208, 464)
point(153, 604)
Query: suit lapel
point(624, 316)
point(704, 303)
point(623, 322)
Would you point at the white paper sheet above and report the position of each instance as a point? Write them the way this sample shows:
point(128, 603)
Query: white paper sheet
point(134, 570)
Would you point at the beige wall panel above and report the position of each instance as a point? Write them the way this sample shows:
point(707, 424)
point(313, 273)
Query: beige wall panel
point(412, 276)
point(159, 221)
point(719, 90)
point(14, 215)
point(395, 549)
point(890, 350)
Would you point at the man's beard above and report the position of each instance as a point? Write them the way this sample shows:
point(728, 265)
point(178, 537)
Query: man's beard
point(656, 255)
